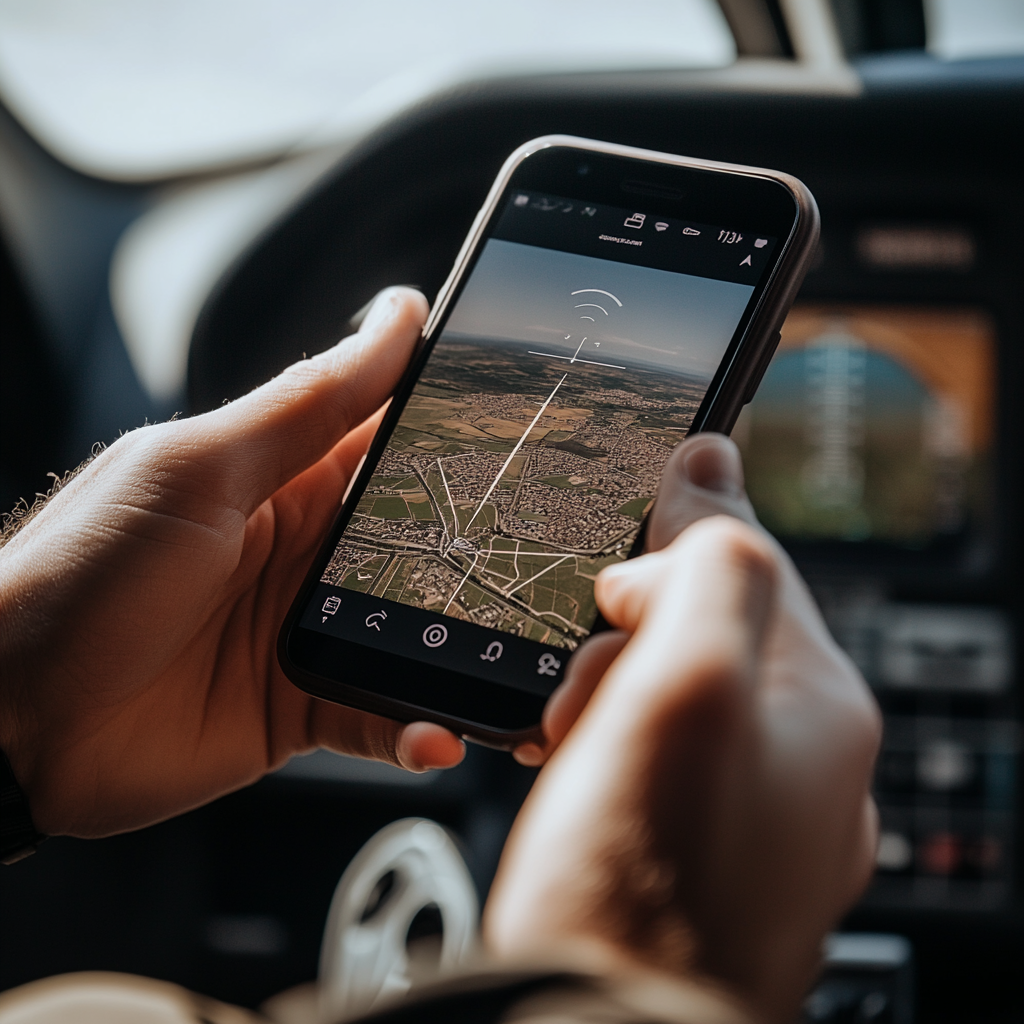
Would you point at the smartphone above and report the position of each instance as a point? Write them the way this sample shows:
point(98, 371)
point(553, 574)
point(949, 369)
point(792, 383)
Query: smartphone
point(607, 302)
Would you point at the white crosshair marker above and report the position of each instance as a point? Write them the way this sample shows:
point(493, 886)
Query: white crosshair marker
point(575, 357)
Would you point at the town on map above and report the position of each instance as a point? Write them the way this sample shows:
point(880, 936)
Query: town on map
point(482, 510)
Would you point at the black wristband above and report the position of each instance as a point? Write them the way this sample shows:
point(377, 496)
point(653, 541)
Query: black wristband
point(18, 836)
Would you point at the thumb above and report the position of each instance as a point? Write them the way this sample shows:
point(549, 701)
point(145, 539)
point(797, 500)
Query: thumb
point(703, 477)
point(274, 433)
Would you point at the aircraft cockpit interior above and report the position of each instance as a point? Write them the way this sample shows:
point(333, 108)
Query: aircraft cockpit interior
point(171, 244)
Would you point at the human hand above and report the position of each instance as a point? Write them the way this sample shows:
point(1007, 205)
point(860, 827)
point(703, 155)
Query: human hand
point(140, 608)
point(703, 477)
point(706, 810)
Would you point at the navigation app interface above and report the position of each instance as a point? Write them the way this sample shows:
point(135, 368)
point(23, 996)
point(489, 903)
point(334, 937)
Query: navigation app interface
point(534, 440)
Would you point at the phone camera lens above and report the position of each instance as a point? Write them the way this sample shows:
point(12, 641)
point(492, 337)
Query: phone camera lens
point(583, 169)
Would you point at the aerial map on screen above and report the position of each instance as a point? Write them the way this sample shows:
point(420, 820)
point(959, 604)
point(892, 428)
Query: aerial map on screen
point(534, 441)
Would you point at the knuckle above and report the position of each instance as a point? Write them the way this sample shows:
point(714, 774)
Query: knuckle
point(145, 451)
point(733, 543)
point(356, 734)
point(857, 722)
point(297, 381)
point(327, 378)
point(869, 725)
point(379, 739)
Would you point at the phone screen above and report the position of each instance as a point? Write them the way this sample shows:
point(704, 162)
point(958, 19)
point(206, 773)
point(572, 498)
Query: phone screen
point(575, 356)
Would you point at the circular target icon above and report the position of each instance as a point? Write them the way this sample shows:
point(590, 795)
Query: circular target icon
point(435, 635)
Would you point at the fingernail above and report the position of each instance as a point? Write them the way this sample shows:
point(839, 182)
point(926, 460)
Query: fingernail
point(408, 765)
point(529, 754)
point(715, 466)
point(379, 309)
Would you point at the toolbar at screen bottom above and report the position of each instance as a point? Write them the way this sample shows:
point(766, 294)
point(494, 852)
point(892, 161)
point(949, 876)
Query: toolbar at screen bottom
point(436, 639)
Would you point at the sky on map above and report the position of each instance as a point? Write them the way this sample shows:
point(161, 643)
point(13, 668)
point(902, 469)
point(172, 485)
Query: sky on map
point(673, 322)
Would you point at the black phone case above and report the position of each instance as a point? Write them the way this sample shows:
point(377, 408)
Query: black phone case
point(737, 387)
